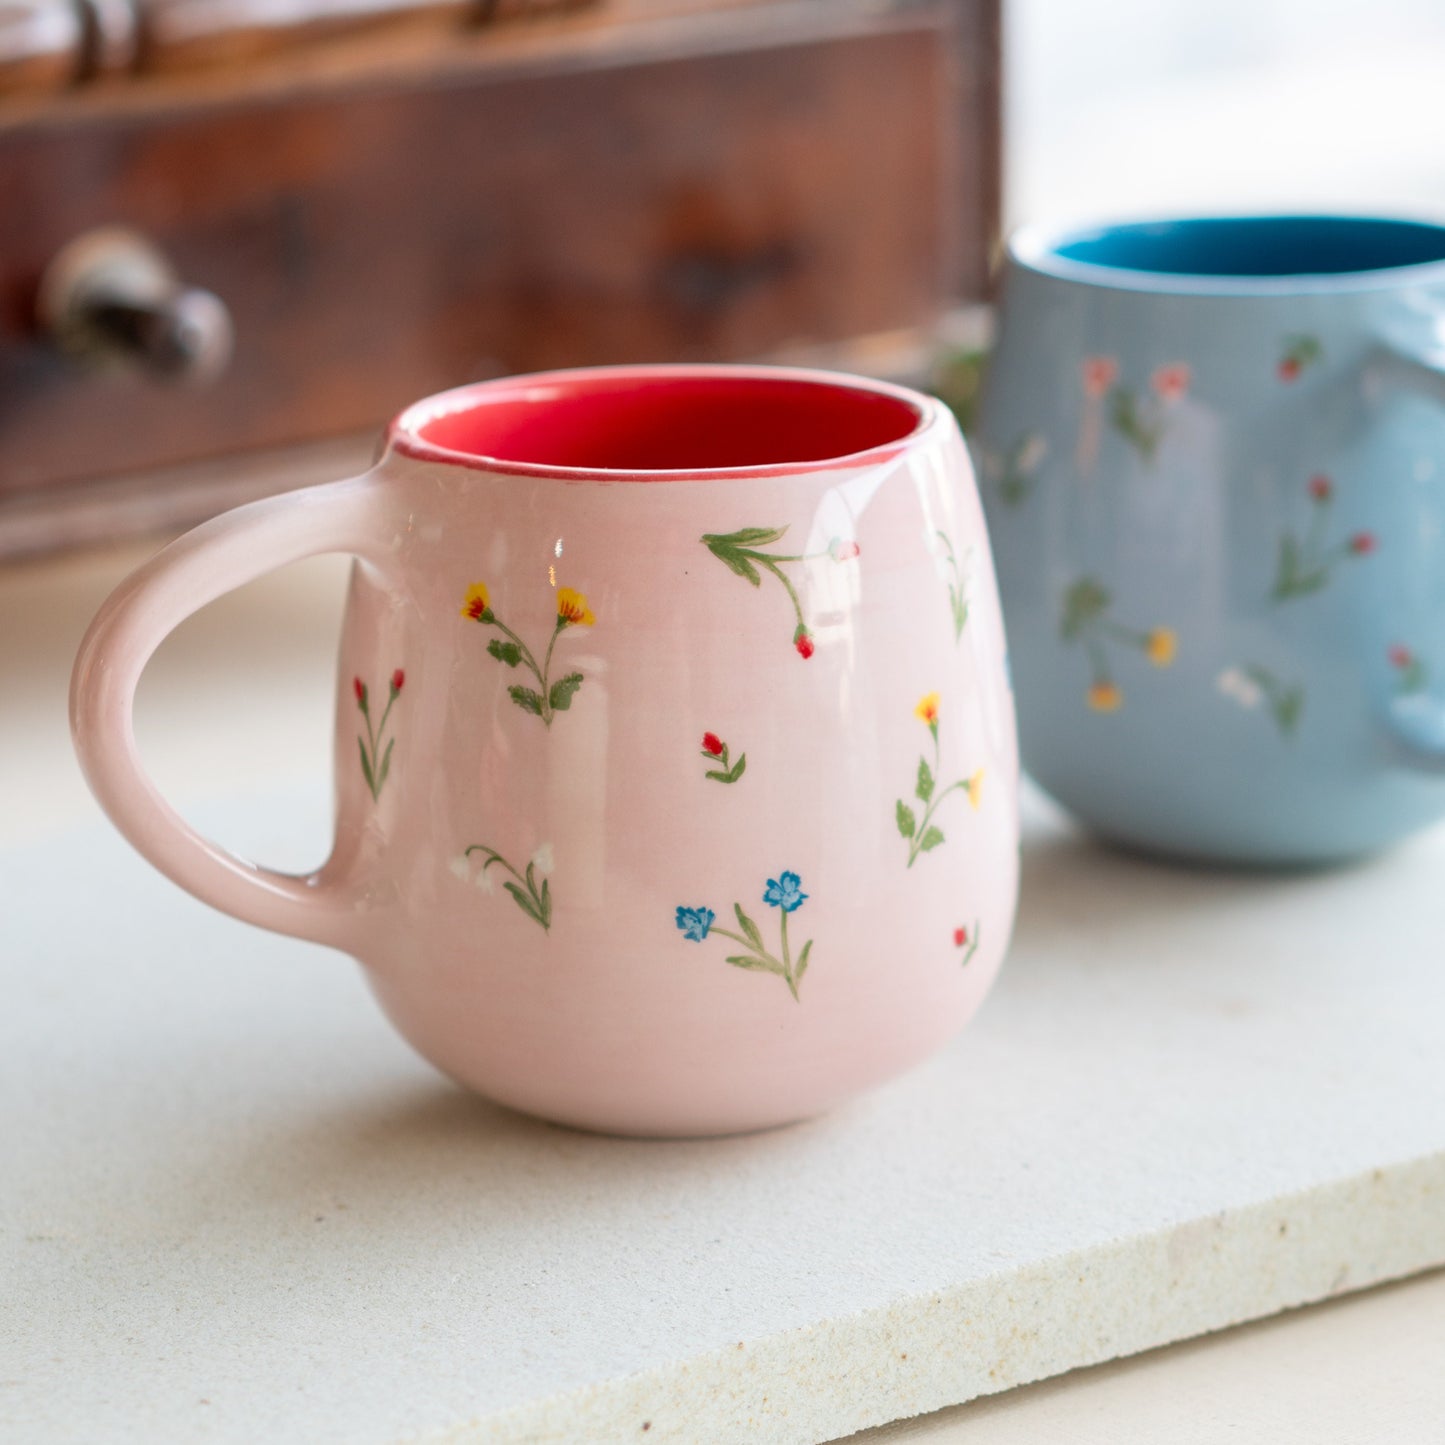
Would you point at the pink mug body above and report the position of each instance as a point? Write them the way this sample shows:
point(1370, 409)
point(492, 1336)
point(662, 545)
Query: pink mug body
point(676, 766)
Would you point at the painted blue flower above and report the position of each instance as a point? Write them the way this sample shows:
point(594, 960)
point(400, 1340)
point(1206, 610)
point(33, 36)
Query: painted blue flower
point(695, 922)
point(785, 892)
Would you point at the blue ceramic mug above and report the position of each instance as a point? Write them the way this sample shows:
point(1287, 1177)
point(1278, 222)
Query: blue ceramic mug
point(1213, 460)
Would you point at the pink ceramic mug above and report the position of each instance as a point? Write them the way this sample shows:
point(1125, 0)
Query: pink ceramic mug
point(675, 754)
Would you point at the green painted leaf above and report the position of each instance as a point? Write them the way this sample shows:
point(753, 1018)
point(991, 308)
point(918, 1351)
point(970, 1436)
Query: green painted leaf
point(385, 766)
point(741, 565)
point(560, 696)
point(923, 789)
point(746, 537)
point(731, 548)
point(526, 699)
point(802, 966)
point(749, 928)
point(545, 904)
point(907, 823)
point(728, 775)
point(1291, 577)
point(366, 767)
point(523, 902)
point(959, 603)
point(1084, 602)
point(1304, 348)
point(1288, 709)
point(931, 838)
point(746, 960)
point(507, 652)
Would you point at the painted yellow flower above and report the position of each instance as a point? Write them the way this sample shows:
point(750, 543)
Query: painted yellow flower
point(1160, 646)
point(974, 786)
point(1105, 697)
point(572, 608)
point(927, 709)
point(478, 603)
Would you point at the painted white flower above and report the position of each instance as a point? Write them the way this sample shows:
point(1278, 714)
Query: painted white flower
point(461, 867)
point(483, 880)
point(1237, 684)
point(1032, 453)
point(542, 859)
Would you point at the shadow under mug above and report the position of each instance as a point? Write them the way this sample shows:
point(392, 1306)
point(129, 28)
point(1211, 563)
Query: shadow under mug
point(1212, 454)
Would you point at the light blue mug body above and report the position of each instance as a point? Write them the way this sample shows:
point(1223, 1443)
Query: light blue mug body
point(1212, 455)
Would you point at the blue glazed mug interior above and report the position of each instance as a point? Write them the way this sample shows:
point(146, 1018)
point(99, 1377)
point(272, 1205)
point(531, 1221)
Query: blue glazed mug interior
point(1212, 454)
point(1262, 246)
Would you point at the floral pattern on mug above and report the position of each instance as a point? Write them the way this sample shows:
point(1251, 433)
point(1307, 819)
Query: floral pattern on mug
point(785, 893)
point(1306, 563)
point(1014, 473)
point(1299, 352)
point(1086, 620)
point(922, 834)
point(1250, 684)
point(376, 772)
point(957, 579)
point(1411, 674)
point(1098, 375)
point(966, 939)
point(534, 900)
point(1142, 421)
point(741, 552)
point(715, 750)
point(548, 698)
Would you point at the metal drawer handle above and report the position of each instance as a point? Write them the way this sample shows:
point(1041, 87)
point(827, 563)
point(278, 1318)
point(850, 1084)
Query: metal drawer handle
point(111, 301)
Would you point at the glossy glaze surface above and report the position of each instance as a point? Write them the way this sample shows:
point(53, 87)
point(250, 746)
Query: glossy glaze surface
point(563, 895)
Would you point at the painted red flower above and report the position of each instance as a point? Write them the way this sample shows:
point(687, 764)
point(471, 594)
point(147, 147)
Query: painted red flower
point(1171, 382)
point(1363, 543)
point(1290, 368)
point(397, 679)
point(1321, 488)
point(359, 688)
point(803, 641)
point(1400, 656)
point(1099, 375)
point(842, 551)
point(712, 743)
point(960, 937)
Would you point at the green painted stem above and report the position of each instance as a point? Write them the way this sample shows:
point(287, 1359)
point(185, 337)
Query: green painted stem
point(751, 947)
point(1098, 662)
point(771, 564)
point(1130, 635)
point(521, 646)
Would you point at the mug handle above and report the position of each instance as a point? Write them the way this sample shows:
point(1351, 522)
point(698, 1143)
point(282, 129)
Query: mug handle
point(216, 557)
point(1416, 723)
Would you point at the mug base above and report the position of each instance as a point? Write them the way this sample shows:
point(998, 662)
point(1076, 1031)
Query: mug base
point(1225, 858)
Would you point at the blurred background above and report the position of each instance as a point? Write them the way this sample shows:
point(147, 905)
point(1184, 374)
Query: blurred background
point(237, 235)
point(1126, 107)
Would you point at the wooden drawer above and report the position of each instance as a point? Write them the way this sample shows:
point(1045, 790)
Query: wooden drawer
point(715, 186)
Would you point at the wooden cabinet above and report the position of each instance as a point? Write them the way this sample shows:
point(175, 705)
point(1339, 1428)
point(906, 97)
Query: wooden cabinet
point(400, 212)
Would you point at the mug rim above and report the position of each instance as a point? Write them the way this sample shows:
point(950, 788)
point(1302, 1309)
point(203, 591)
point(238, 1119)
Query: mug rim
point(1037, 247)
point(404, 433)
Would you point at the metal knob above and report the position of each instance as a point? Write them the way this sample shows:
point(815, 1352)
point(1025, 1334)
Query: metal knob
point(112, 302)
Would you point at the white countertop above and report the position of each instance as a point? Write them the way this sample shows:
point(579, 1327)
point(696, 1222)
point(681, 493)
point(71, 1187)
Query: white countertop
point(237, 1208)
